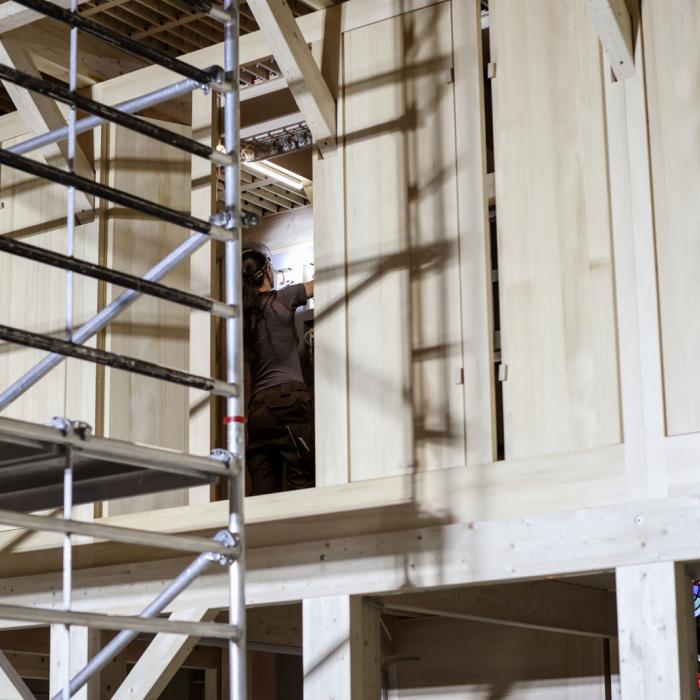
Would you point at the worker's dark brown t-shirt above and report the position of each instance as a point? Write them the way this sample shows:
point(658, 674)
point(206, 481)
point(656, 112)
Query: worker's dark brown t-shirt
point(275, 356)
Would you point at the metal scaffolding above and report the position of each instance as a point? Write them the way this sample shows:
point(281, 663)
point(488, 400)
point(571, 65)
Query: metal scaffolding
point(44, 466)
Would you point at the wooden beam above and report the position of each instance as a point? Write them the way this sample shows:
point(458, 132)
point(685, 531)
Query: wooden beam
point(342, 649)
point(84, 644)
point(12, 687)
point(614, 26)
point(547, 605)
point(299, 68)
point(658, 650)
point(475, 188)
point(13, 15)
point(42, 114)
point(319, 4)
point(158, 664)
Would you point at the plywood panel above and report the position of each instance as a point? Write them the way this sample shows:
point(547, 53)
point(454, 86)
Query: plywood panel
point(554, 236)
point(672, 58)
point(406, 403)
point(457, 660)
point(139, 408)
point(34, 297)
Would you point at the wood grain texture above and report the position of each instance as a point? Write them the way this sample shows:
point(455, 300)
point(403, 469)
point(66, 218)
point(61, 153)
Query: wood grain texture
point(672, 58)
point(138, 408)
point(457, 660)
point(554, 242)
point(34, 297)
point(474, 233)
point(406, 408)
point(658, 649)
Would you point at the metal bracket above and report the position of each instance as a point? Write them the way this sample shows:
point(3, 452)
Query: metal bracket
point(230, 539)
point(67, 426)
point(228, 220)
point(233, 461)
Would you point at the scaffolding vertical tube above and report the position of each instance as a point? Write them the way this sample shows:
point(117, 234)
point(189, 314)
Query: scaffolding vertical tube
point(70, 250)
point(67, 572)
point(235, 407)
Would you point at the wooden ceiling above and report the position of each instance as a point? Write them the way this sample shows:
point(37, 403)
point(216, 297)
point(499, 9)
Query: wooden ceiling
point(169, 26)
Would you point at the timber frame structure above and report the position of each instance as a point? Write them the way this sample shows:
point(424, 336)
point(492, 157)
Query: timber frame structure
point(505, 222)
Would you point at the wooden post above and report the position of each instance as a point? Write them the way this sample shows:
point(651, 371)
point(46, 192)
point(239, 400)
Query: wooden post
point(84, 643)
point(342, 649)
point(658, 650)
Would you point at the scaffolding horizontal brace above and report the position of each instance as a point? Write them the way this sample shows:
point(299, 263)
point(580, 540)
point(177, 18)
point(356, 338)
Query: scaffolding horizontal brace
point(124, 535)
point(125, 199)
point(110, 359)
point(122, 279)
point(210, 76)
point(33, 435)
point(49, 616)
point(128, 121)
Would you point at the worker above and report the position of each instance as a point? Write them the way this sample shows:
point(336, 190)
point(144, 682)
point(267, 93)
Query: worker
point(280, 449)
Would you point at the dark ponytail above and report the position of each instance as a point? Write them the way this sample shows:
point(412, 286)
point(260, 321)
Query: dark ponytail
point(254, 265)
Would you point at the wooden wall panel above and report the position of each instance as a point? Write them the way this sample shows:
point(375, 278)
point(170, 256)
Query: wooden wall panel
point(33, 297)
point(406, 406)
point(558, 327)
point(459, 660)
point(672, 58)
point(139, 408)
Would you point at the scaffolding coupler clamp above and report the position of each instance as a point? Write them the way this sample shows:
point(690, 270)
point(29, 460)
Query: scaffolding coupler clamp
point(67, 427)
point(229, 539)
point(229, 219)
point(232, 461)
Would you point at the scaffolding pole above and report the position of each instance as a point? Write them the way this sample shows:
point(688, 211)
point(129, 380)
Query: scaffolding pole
point(225, 226)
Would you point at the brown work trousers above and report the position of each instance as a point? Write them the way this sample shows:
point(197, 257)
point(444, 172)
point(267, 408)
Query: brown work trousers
point(280, 449)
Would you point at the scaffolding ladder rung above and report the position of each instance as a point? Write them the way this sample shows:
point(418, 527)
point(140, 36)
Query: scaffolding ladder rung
point(14, 246)
point(111, 359)
point(52, 616)
point(113, 195)
point(124, 535)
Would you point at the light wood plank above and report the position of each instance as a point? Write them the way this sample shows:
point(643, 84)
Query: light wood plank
point(84, 644)
point(614, 26)
point(341, 649)
point(474, 233)
point(139, 408)
point(658, 652)
point(558, 332)
point(672, 58)
point(632, 219)
point(404, 323)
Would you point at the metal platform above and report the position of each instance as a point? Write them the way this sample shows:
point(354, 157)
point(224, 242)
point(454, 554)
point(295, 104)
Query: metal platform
point(33, 460)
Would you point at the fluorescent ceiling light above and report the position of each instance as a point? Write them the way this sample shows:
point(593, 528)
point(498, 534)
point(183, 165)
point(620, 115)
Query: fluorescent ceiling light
point(285, 177)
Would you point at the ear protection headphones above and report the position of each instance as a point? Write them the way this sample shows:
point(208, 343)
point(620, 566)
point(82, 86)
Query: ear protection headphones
point(261, 249)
